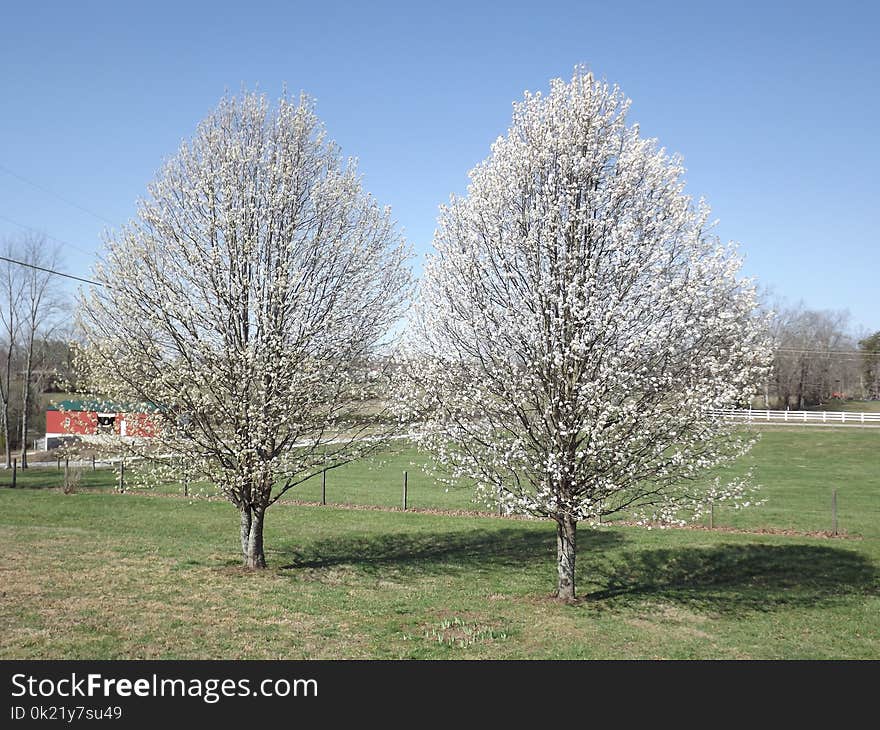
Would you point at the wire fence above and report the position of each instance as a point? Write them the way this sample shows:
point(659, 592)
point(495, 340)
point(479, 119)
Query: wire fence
point(842, 506)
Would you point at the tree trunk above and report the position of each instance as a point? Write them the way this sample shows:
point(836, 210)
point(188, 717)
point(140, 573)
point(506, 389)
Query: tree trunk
point(245, 531)
point(26, 402)
point(6, 382)
point(24, 435)
point(254, 558)
point(801, 388)
point(6, 434)
point(566, 545)
point(6, 395)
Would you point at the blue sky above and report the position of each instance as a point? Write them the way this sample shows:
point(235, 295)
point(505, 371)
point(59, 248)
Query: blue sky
point(774, 107)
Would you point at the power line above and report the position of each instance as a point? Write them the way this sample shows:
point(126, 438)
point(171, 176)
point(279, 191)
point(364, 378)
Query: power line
point(42, 233)
point(56, 195)
point(852, 353)
point(52, 271)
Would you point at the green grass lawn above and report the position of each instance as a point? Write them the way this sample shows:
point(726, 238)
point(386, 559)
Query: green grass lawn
point(797, 468)
point(100, 575)
point(49, 478)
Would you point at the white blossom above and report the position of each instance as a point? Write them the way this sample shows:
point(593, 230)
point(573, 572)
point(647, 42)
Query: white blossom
point(247, 306)
point(578, 323)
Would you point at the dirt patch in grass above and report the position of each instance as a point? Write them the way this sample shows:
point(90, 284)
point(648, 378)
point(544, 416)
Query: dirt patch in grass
point(825, 534)
point(785, 532)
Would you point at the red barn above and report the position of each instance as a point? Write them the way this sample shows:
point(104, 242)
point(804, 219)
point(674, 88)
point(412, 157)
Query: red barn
point(90, 418)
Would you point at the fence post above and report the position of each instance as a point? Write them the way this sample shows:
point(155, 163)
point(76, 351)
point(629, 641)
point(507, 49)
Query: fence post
point(712, 515)
point(834, 512)
point(66, 472)
point(14, 470)
point(93, 462)
point(324, 486)
point(404, 490)
point(122, 476)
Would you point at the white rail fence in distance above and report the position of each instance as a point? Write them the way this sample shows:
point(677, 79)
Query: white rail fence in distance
point(794, 417)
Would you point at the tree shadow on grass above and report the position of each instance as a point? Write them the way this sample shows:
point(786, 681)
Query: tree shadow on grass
point(731, 578)
point(723, 579)
point(441, 552)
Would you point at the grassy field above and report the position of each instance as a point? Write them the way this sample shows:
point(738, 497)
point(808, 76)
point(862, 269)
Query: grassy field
point(100, 575)
point(797, 468)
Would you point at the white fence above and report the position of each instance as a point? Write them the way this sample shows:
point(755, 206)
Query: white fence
point(794, 417)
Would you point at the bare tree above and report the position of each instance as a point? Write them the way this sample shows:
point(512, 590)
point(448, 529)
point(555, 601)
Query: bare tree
point(813, 355)
point(53, 357)
point(11, 293)
point(40, 305)
point(246, 307)
point(578, 324)
point(28, 314)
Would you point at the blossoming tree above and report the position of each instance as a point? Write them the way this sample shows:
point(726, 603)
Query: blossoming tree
point(246, 306)
point(578, 325)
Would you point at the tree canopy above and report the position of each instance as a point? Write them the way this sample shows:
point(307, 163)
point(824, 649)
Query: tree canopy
point(579, 323)
point(250, 299)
